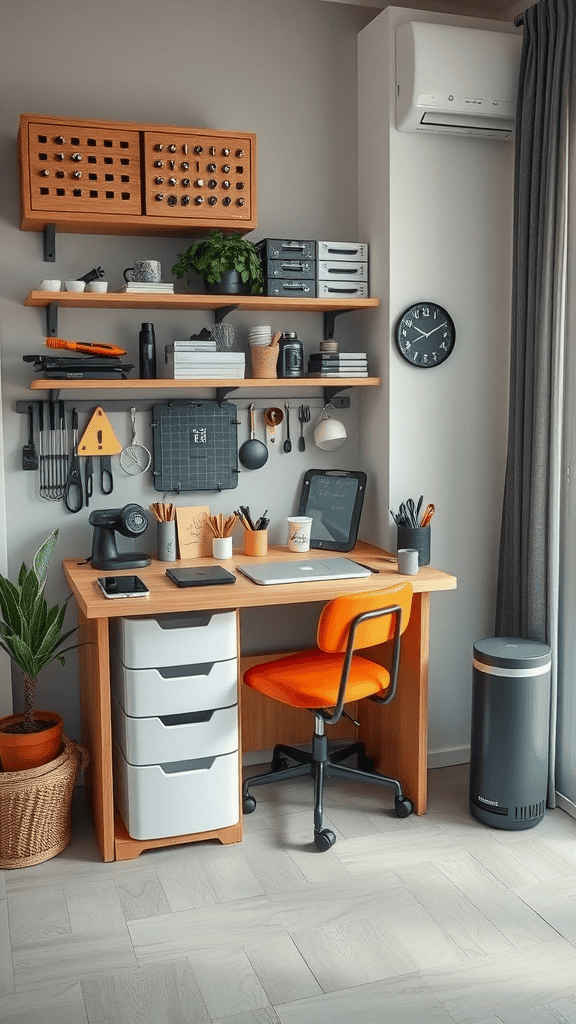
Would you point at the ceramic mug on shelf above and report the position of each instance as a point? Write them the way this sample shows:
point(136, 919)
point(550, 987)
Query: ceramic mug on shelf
point(149, 271)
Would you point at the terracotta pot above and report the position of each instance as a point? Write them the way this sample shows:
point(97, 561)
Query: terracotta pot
point(22, 750)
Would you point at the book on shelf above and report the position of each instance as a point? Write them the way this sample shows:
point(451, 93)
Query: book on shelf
point(337, 373)
point(320, 364)
point(216, 374)
point(192, 345)
point(338, 355)
point(207, 357)
point(148, 286)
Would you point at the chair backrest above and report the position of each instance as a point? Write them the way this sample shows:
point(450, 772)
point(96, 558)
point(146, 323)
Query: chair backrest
point(337, 615)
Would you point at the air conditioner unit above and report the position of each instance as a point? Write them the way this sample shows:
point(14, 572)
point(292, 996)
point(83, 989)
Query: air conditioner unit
point(460, 81)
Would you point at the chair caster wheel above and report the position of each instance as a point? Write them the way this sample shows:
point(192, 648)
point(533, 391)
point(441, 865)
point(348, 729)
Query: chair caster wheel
point(324, 840)
point(403, 806)
point(279, 764)
point(365, 763)
point(248, 804)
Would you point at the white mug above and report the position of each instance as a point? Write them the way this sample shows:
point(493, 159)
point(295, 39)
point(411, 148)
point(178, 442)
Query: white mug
point(75, 286)
point(407, 561)
point(98, 286)
point(222, 547)
point(299, 533)
point(50, 286)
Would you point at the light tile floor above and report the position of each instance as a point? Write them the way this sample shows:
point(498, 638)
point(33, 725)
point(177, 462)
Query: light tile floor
point(423, 920)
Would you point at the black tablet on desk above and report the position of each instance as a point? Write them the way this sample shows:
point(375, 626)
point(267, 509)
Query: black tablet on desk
point(334, 499)
point(201, 576)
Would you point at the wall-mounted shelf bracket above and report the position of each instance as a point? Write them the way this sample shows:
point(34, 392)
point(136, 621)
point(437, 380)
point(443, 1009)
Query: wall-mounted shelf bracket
point(49, 243)
point(222, 394)
point(329, 322)
point(329, 394)
point(222, 312)
point(52, 319)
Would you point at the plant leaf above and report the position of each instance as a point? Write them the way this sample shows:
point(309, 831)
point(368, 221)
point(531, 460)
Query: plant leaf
point(41, 559)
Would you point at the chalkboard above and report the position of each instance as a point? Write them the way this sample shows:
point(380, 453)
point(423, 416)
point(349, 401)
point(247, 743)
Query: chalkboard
point(334, 499)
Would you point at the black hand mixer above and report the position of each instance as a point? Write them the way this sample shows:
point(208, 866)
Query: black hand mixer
point(129, 521)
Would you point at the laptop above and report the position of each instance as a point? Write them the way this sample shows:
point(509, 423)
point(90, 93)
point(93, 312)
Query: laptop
point(268, 573)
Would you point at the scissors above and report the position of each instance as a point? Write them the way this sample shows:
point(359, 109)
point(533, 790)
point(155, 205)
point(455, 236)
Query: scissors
point(106, 479)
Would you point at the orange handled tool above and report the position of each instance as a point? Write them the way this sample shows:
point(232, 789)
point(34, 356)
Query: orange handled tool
point(101, 349)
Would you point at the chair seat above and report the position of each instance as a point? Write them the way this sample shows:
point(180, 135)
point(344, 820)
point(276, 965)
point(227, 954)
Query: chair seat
point(310, 679)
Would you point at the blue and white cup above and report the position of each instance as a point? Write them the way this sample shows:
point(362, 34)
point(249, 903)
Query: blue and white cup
point(148, 271)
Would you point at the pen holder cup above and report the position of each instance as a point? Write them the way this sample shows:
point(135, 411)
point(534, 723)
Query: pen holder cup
point(256, 542)
point(222, 547)
point(418, 538)
point(167, 541)
point(264, 360)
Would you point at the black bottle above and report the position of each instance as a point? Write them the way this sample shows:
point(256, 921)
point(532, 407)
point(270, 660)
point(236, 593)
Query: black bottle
point(290, 356)
point(147, 352)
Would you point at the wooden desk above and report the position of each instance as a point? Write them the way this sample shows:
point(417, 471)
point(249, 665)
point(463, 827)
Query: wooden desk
point(395, 735)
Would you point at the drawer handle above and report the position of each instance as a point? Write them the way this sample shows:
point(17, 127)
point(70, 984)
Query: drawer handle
point(182, 620)
point(198, 764)
point(186, 718)
point(179, 671)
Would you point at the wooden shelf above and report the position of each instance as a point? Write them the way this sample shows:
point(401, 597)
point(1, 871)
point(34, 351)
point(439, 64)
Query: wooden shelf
point(153, 300)
point(283, 383)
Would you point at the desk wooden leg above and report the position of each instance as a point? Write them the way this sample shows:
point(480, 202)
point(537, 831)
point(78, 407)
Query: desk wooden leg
point(396, 735)
point(97, 729)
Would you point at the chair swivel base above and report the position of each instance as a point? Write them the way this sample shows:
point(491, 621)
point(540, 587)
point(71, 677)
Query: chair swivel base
point(320, 765)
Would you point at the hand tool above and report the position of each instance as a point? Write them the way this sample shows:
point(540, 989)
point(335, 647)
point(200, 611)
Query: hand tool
point(106, 478)
point(90, 349)
point(428, 513)
point(29, 456)
point(287, 442)
point(74, 497)
point(88, 479)
point(304, 417)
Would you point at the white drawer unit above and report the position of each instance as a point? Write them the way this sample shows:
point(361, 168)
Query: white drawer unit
point(174, 689)
point(349, 251)
point(185, 638)
point(342, 289)
point(342, 270)
point(177, 798)
point(175, 737)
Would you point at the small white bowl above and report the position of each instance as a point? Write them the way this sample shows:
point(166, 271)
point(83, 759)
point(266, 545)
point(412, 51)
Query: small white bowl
point(75, 286)
point(98, 286)
point(50, 286)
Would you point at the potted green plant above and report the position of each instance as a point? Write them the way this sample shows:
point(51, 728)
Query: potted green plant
point(33, 635)
point(230, 265)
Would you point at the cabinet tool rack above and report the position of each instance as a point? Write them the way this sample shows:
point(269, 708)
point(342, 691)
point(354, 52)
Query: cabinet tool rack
point(221, 305)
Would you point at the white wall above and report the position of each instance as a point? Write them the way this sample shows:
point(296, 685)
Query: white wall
point(286, 71)
point(437, 211)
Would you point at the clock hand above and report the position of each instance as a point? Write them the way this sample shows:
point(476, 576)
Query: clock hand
point(423, 333)
point(436, 329)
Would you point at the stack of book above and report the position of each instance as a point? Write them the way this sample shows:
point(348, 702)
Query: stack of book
point(338, 364)
point(161, 287)
point(199, 360)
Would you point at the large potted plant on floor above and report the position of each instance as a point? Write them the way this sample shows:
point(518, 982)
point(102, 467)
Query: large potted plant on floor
point(230, 265)
point(33, 635)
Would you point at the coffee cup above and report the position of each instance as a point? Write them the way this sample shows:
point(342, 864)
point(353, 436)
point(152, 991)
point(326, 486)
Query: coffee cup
point(407, 561)
point(50, 286)
point(75, 286)
point(98, 286)
point(299, 528)
point(148, 271)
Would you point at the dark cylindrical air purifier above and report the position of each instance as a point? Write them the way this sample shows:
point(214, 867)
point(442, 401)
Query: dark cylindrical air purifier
point(509, 735)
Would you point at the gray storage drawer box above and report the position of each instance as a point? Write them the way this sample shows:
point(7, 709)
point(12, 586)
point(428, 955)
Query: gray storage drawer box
point(341, 270)
point(279, 248)
point(158, 739)
point(342, 251)
point(172, 690)
point(185, 638)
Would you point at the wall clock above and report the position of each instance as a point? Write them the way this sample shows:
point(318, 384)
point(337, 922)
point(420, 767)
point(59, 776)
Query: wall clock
point(425, 334)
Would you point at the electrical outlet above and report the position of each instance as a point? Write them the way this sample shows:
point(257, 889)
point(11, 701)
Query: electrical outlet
point(341, 402)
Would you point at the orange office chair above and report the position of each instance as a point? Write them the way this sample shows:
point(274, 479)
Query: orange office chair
point(324, 680)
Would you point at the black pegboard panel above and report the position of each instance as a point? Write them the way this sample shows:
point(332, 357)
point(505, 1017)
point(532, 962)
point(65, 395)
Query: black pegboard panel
point(195, 446)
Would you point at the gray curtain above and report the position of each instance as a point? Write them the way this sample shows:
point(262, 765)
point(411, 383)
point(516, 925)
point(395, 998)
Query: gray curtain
point(528, 580)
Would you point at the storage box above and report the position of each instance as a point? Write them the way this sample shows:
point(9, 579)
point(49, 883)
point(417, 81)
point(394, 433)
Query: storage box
point(280, 248)
point(294, 289)
point(343, 289)
point(342, 270)
point(342, 251)
point(177, 798)
point(288, 269)
point(175, 737)
point(174, 689)
point(182, 638)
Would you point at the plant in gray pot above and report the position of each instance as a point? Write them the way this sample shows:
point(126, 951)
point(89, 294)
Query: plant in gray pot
point(230, 265)
point(33, 635)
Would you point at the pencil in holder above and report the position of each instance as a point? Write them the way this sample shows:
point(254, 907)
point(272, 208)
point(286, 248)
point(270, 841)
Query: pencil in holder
point(418, 538)
point(256, 542)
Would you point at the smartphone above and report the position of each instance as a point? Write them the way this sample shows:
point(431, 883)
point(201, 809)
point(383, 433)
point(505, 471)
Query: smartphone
point(122, 586)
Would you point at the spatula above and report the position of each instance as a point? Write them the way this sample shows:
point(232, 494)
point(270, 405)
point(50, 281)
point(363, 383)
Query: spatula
point(29, 456)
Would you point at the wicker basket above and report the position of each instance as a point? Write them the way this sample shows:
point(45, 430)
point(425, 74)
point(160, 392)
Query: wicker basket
point(35, 808)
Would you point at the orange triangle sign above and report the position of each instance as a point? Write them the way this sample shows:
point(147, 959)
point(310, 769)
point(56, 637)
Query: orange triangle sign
point(99, 438)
